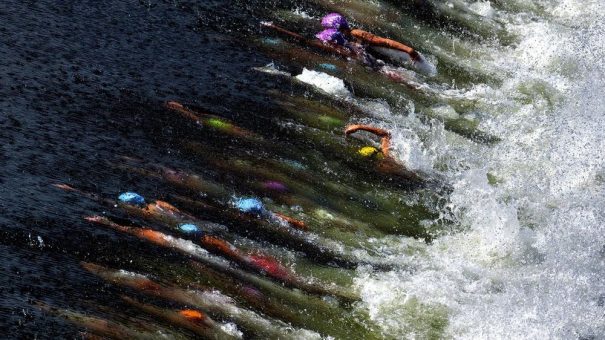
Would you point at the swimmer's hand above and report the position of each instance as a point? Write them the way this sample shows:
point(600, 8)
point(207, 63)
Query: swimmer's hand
point(416, 58)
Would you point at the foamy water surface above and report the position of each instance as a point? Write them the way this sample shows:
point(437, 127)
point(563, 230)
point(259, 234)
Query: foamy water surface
point(528, 256)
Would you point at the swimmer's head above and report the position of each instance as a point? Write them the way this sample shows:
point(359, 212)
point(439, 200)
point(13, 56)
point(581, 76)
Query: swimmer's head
point(334, 21)
point(131, 198)
point(191, 229)
point(370, 152)
point(331, 35)
point(249, 205)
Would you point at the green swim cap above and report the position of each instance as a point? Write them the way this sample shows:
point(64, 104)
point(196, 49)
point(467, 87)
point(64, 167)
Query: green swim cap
point(218, 123)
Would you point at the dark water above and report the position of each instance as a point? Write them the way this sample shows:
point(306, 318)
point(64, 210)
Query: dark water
point(74, 77)
point(82, 85)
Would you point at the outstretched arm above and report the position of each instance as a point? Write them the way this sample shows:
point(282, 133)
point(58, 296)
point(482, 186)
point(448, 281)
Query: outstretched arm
point(385, 142)
point(310, 42)
point(384, 42)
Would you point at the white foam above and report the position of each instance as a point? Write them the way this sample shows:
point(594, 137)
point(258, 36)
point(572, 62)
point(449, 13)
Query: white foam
point(526, 259)
point(325, 82)
point(482, 8)
point(231, 329)
point(129, 275)
point(272, 69)
point(302, 13)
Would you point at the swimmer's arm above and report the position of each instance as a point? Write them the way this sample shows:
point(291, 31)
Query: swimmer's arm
point(332, 48)
point(385, 142)
point(375, 40)
point(377, 131)
point(310, 42)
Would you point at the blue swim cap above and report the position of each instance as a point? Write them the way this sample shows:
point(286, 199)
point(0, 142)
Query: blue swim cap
point(334, 20)
point(131, 198)
point(189, 228)
point(295, 164)
point(331, 35)
point(327, 66)
point(272, 41)
point(250, 205)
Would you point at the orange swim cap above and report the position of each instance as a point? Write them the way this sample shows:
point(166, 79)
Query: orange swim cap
point(192, 314)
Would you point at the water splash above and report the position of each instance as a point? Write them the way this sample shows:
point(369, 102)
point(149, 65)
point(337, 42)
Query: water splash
point(527, 260)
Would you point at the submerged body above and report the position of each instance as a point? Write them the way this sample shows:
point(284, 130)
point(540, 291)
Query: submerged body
point(337, 32)
point(403, 58)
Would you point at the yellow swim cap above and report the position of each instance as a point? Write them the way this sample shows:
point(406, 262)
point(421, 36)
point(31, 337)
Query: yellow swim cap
point(370, 151)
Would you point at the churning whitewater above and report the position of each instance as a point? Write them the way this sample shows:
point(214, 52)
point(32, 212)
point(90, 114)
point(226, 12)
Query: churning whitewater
point(528, 258)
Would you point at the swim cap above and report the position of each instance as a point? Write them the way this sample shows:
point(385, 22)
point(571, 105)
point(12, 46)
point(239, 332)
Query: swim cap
point(131, 198)
point(331, 35)
point(275, 185)
point(334, 21)
point(218, 123)
point(369, 151)
point(295, 164)
point(330, 120)
point(250, 205)
point(189, 228)
point(330, 67)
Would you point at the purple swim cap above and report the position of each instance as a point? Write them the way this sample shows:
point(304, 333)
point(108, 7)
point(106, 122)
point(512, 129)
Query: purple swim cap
point(275, 185)
point(331, 35)
point(335, 21)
